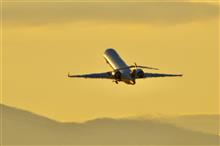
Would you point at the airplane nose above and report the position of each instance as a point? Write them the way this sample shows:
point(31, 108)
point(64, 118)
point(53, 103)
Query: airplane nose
point(132, 79)
point(133, 82)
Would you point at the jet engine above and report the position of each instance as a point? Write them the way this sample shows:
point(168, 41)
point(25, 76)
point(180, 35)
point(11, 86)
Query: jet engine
point(116, 75)
point(139, 73)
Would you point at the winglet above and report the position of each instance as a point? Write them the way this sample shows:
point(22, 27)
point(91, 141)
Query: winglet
point(68, 74)
point(180, 75)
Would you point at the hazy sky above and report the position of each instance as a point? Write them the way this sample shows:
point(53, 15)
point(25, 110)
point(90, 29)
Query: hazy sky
point(44, 41)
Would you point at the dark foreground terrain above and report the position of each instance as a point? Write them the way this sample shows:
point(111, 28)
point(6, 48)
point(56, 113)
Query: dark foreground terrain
point(24, 128)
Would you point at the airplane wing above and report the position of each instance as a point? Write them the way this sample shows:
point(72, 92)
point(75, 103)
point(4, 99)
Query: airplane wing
point(104, 75)
point(153, 75)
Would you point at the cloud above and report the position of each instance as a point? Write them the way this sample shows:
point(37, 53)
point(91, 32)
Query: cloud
point(40, 13)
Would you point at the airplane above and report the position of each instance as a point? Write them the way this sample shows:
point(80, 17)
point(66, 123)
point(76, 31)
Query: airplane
point(121, 71)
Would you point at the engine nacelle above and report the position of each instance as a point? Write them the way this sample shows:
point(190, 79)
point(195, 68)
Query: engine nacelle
point(117, 75)
point(139, 73)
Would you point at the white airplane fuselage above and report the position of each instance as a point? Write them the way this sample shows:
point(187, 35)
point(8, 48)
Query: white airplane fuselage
point(117, 63)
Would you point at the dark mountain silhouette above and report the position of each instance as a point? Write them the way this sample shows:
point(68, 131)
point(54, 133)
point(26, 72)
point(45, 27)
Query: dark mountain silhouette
point(24, 128)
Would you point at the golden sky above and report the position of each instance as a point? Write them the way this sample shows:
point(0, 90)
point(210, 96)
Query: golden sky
point(43, 41)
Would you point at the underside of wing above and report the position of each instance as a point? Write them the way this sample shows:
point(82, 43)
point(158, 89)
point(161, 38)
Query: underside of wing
point(104, 75)
point(153, 75)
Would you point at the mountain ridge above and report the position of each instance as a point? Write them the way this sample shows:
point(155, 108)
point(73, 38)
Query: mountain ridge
point(24, 128)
